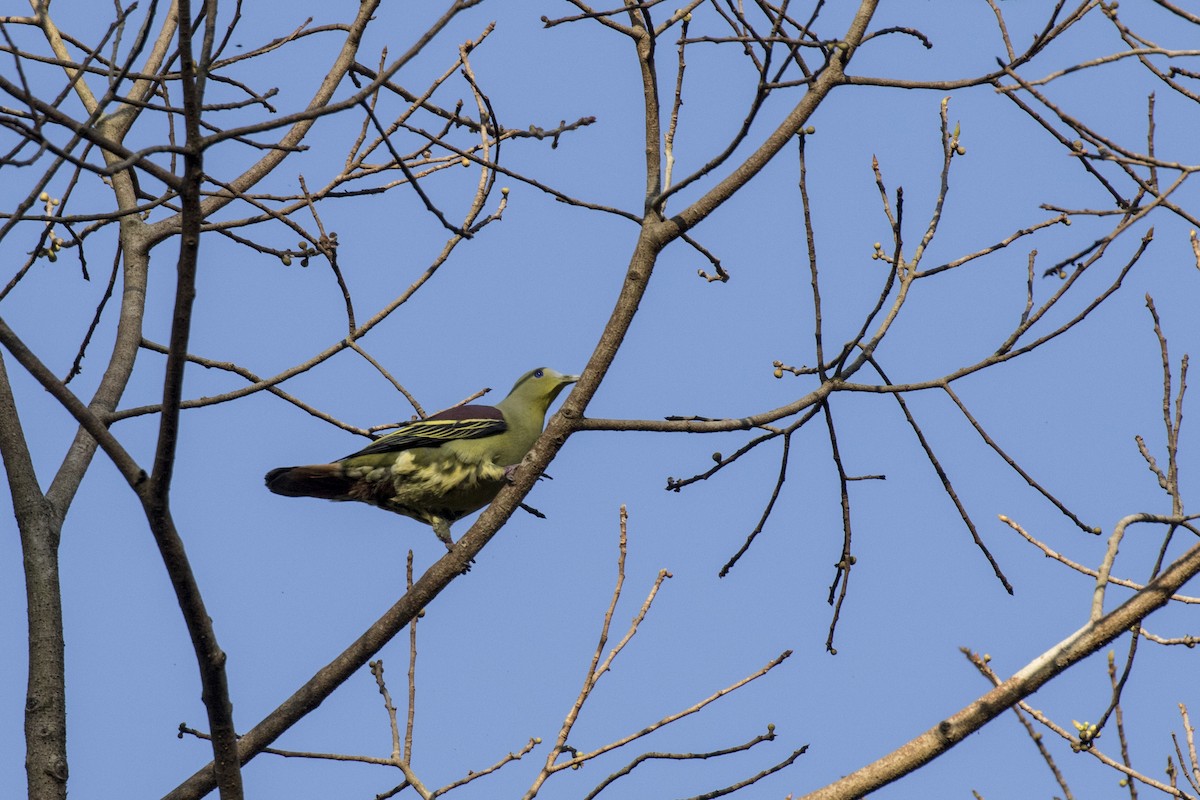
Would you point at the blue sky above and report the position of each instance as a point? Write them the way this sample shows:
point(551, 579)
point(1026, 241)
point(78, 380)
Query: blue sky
point(502, 651)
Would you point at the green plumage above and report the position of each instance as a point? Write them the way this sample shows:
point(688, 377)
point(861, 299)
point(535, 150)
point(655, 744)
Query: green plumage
point(439, 469)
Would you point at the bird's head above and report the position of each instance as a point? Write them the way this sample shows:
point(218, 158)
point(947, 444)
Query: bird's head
point(537, 388)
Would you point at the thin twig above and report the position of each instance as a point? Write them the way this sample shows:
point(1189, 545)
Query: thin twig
point(1088, 571)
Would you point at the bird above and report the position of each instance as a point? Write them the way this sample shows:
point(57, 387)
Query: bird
point(439, 469)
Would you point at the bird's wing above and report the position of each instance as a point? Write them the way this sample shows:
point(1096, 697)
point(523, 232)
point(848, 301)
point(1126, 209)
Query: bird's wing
point(460, 422)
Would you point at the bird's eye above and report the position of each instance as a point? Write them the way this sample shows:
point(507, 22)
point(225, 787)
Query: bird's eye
point(537, 373)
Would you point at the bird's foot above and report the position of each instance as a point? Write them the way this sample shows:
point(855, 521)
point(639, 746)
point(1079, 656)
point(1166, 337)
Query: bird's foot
point(511, 470)
point(442, 529)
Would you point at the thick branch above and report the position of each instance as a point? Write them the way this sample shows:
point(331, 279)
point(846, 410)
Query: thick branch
point(1087, 640)
point(155, 494)
point(40, 528)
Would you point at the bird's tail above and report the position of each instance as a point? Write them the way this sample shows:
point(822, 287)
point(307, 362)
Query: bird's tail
point(315, 480)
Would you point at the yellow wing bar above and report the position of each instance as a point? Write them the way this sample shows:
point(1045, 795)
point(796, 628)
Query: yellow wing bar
point(463, 422)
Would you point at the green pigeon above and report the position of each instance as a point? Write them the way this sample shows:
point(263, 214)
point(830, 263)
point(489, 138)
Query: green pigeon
point(439, 469)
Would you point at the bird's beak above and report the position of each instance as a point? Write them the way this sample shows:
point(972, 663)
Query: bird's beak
point(570, 379)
